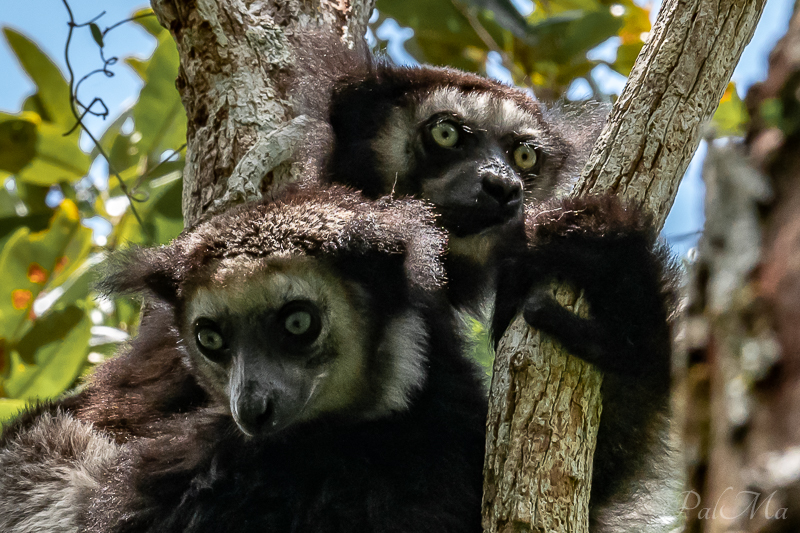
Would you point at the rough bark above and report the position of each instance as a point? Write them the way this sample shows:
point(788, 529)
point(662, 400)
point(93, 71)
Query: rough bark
point(242, 131)
point(742, 373)
point(544, 413)
point(651, 134)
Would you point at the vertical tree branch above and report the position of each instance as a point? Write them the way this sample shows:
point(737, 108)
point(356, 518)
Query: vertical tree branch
point(641, 155)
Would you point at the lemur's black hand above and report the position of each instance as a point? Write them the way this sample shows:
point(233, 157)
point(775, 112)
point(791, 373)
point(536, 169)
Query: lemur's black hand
point(610, 253)
point(586, 338)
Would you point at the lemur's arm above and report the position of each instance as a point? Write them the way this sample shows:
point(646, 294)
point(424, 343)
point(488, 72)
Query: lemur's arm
point(609, 252)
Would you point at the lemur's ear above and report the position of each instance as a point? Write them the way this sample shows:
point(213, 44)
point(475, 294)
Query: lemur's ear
point(151, 271)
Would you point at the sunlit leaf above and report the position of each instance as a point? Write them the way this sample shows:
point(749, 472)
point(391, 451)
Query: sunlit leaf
point(57, 362)
point(57, 251)
point(9, 407)
point(58, 158)
point(18, 139)
point(138, 65)
point(51, 85)
point(159, 115)
point(632, 35)
point(132, 175)
point(626, 57)
point(731, 116)
point(149, 22)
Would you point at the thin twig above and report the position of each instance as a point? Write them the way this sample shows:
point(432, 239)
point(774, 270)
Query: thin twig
point(131, 19)
point(74, 102)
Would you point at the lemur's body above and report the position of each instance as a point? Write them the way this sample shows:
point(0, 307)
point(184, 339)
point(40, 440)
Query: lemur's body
point(491, 160)
point(302, 372)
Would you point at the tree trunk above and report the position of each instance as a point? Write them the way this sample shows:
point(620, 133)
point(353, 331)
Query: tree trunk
point(242, 131)
point(651, 134)
point(742, 374)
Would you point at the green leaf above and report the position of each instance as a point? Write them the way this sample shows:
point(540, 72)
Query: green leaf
point(78, 286)
point(58, 361)
point(97, 35)
point(161, 215)
point(34, 196)
point(149, 23)
point(133, 175)
point(10, 224)
point(58, 158)
point(506, 15)
point(731, 116)
point(127, 312)
point(10, 408)
point(636, 25)
point(112, 131)
point(53, 326)
point(53, 90)
point(626, 57)
point(441, 32)
point(18, 138)
point(8, 206)
point(159, 115)
point(138, 65)
point(30, 261)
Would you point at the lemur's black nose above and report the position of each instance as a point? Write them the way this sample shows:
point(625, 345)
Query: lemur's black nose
point(505, 190)
point(256, 416)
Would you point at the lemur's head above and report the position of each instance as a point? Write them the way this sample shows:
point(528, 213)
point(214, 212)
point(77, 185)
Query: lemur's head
point(301, 308)
point(473, 147)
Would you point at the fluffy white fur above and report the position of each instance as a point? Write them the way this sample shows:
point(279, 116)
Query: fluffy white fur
point(48, 473)
point(404, 345)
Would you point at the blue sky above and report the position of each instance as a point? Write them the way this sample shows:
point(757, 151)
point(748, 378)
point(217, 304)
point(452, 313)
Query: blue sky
point(45, 22)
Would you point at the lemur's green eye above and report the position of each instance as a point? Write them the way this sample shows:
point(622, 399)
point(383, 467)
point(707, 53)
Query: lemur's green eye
point(445, 134)
point(301, 323)
point(209, 339)
point(525, 156)
point(298, 322)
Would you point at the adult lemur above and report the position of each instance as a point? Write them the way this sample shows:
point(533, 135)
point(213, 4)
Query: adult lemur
point(301, 372)
point(475, 148)
point(490, 158)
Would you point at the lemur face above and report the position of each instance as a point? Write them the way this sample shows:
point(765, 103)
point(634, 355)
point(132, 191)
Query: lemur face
point(475, 148)
point(473, 156)
point(276, 340)
point(307, 306)
point(287, 341)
